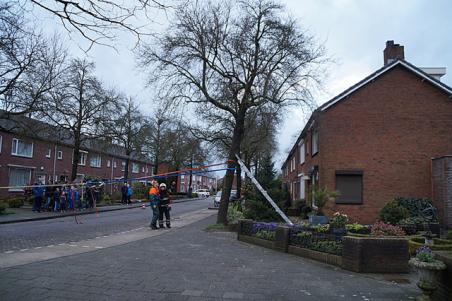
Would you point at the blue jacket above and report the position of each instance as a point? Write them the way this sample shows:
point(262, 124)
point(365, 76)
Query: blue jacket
point(129, 191)
point(37, 190)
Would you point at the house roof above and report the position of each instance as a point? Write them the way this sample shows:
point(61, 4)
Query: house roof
point(362, 83)
point(37, 129)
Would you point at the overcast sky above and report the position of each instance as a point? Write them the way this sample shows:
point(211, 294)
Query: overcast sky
point(353, 32)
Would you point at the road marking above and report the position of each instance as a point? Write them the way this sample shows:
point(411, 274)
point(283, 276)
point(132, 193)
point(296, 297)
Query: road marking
point(49, 246)
point(23, 250)
point(72, 245)
point(38, 248)
point(85, 246)
point(99, 247)
point(62, 244)
point(105, 236)
point(9, 252)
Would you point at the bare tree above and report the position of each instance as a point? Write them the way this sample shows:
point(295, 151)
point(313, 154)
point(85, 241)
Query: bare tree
point(231, 58)
point(79, 105)
point(29, 63)
point(99, 21)
point(127, 127)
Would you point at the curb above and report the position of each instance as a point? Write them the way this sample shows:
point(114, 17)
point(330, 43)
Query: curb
point(88, 212)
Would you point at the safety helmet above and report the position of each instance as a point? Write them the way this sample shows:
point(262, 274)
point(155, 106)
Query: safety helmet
point(162, 185)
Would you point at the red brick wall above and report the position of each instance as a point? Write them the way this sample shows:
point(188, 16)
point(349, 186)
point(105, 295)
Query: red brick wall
point(390, 129)
point(40, 164)
point(442, 189)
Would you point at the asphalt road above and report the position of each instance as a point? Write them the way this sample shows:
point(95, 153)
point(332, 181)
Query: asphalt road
point(63, 230)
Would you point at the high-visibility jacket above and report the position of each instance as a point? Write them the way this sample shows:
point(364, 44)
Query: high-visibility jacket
point(153, 193)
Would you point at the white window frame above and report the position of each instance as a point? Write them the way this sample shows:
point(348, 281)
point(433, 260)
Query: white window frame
point(98, 163)
point(142, 169)
point(9, 178)
point(314, 142)
point(114, 164)
point(108, 163)
point(123, 164)
point(14, 151)
point(60, 155)
point(49, 153)
point(135, 167)
point(302, 152)
point(83, 155)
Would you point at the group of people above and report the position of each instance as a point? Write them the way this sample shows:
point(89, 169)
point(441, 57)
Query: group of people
point(126, 194)
point(60, 198)
point(160, 204)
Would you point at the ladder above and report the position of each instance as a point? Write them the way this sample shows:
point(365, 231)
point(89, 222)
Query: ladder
point(262, 190)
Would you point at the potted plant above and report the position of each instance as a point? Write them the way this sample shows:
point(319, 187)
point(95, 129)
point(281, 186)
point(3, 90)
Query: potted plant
point(428, 268)
point(320, 197)
point(337, 223)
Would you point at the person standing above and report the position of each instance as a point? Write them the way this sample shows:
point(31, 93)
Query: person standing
point(48, 198)
point(124, 190)
point(37, 192)
point(56, 199)
point(63, 199)
point(129, 194)
point(154, 200)
point(165, 207)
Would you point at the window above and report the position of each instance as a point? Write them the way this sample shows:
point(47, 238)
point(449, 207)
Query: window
point(302, 152)
point(108, 163)
point(315, 142)
point(302, 189)
point(95, 160)
point(60, 155)
point(22, 148)
point(82, 159)
point(1, 142)
point(142, 169)
point(123, 166)
point(19, 177)
point(135, 168)
point(49, 153)
point(114, 164)
point(350, 186)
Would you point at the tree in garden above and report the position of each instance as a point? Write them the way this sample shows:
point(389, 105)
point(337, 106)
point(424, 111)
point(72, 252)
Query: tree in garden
point(79, 105)
point(229, 58)
point(29, 63)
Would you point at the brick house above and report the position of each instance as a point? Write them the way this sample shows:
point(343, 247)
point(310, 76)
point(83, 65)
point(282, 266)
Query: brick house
point(376, 140)
point(199, 181)
point(32, 151)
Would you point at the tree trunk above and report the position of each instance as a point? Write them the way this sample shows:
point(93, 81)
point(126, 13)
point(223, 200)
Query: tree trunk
point(76, 156)
point(237, 136)
point(239, 180)
point(189, 192)
point(126, 167)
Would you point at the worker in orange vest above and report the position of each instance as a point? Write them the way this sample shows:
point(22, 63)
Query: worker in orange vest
point(154, 199)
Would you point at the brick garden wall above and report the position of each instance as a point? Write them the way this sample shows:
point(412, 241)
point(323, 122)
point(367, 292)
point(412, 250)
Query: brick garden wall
point(442, 189)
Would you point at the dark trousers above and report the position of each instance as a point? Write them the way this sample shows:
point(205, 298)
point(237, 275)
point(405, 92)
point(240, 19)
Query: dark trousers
point(164, 210)
point(124, 198)
point(155, 213)
point(128, 199)
point(37, 203)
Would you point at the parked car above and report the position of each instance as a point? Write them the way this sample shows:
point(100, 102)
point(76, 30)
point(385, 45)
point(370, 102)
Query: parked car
point(203, 192)
point(233, 197)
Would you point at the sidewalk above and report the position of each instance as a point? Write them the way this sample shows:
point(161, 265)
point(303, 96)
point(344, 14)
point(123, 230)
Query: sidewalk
point(25, 214)
point(191, 264)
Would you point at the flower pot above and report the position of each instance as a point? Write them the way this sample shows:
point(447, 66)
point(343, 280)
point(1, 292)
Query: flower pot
point(318, 219)
point(427, 276)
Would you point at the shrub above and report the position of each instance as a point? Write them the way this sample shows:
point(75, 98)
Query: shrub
point(424, 254)
point(449, 235)
point(327, 246)
point(234, 215)
point(322, 196)
point(418, 207)
point(304, 211)
point(338, 220)
point(357, 228)
point(15, 202)
point(383, 229)
point(265, 234)
point(303, 238)
point(321, 228)
point(2, 208)
point(392, 213)
point(259, 211)
point(409, 225)
point(106, 199)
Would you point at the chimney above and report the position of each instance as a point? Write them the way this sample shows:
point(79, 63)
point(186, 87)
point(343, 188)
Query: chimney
point(393, 52)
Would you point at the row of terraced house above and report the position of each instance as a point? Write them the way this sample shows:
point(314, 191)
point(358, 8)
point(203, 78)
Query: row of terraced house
point(389, 135)
point(32, 151)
